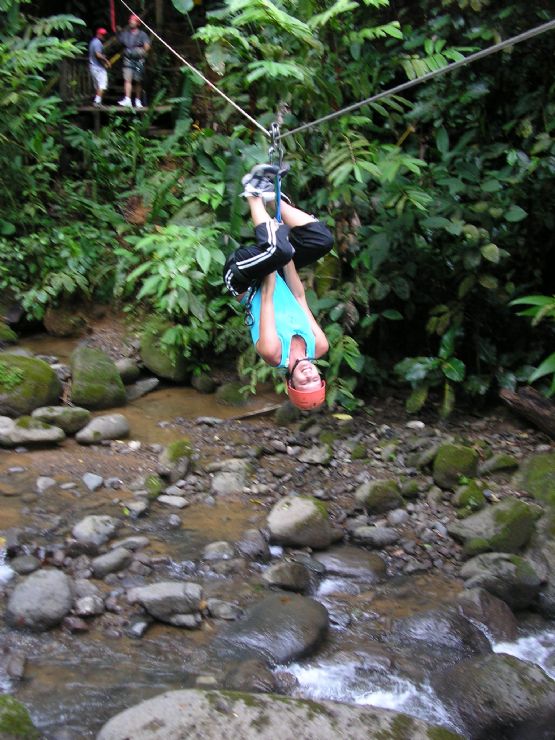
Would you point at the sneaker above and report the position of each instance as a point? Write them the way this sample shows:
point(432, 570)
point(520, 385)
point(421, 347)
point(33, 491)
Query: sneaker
point(138, 103)
point(125, 103)
point(256, 186)
point(97, 103)
point(269, 171)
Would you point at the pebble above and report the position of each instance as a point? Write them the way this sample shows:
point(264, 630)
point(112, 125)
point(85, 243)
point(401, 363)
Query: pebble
point(138, 627)
point(115, 483)
point(43, 483)
point(415, 425)
point(67, 486)
point(176, 501)
point(137, 508)
point(15, 469)
point(25, 564)
point(93, 481)
point(397, 517)
point(134, 445)
point(218, 551)
point(174, 521)
point(89, 606)
point(132, 543)
point(75, 624)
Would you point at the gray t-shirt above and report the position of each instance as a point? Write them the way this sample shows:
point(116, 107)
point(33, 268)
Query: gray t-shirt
point(134, 44)
point(95, 47)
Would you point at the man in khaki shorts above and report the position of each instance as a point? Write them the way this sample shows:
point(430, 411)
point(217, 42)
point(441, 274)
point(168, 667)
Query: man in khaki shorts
point(136, 46)
point(98, 64)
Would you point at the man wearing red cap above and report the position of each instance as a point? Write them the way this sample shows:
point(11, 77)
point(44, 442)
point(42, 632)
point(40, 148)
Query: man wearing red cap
point(136, 46)
point(98, 64)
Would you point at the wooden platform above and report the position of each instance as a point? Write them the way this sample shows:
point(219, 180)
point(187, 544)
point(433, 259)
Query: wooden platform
point(122, 109)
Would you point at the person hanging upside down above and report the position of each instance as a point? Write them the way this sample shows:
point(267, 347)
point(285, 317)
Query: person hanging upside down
point(264, 278)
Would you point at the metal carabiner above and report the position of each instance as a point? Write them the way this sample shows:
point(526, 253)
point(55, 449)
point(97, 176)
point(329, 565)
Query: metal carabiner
point(276, 150)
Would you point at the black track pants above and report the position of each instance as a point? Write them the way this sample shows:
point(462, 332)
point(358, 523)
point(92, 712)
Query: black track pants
point(276, 244)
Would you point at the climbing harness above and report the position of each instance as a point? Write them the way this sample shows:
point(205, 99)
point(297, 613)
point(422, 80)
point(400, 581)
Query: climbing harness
point(549, 26)
point(275, 156)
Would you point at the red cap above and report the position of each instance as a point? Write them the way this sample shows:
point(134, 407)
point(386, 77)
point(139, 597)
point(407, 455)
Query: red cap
point(134, 17)
point(101, 32)
point(307, 400)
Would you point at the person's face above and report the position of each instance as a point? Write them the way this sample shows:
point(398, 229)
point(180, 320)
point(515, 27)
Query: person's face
point(306, 377)
point(133, 23)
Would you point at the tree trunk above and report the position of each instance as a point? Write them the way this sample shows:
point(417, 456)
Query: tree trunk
point(533, 407)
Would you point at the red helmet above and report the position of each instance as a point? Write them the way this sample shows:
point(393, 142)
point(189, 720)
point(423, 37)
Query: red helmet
point(307, 400)
point(101, 32)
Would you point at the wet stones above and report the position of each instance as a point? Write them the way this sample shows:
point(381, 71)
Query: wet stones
point(376, 536)
point(498, 696)
point(280, 628)
point(300, 521)
point(379, 496)
point(95, 530)
point(28, 431)
point(177, 603)
point(288, 576)
point(175, 459)
point(253, 546)
point(111, 562)
point(230, 476)
point(69, 418)
point(110, 426)
point(537, 477)
point(452, 461)
point(41, 601)
point(352, 562)
point(484, 609)
point(96, 382)
point(509, 577)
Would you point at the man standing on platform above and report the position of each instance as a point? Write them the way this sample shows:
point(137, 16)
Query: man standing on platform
point(98, 64)
point(137, 45)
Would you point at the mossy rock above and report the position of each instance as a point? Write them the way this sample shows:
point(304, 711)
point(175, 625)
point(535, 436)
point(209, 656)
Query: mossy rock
point(537, 477)
point(7, 334)
point(69, 418)
point(96, 382)
point(504, 527)
point(410, 488)
point(63, 322)
point(287, 414)
point(229, 394)
point(498, 464)
point(157, 357)
point(25, 384)
point(203, 383)
point(359, 451)
point(154, 485)
point(453, 461)
point(179, 449)
point(378, 496)
point(469, 498)
point(15, 721)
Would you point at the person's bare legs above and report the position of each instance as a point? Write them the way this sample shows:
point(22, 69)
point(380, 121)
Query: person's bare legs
point(139, 91)
point(259, 214)
point(127, 85)
point(293, 216)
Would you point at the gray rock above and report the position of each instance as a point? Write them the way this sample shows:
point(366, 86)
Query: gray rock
point(110, 426)
point(41, 601)
point(253, 546)
point(95, 530)
point(223, 609)
point(133, 543)
point(128, 369)
point(218, 551)
point(28, 431)
point(379, 496)
point(112, 561)
point(251, 675)
point(89, 606)
point(231, 476)
point(397, 517)
point(498, 463)
point(289, 576)
point(499, 696)
point(178, 502)
point(503, 527)
point(93, 481)
point(175, 460)
point(23, 565)
point(509, 577)
point(300, 521)
point(69, 418)
point(168, 601)
point(280, 628)
point(43, 483)
point(223, 714)
point(141, 388)
point(488, 612)
point(376, 536)
point(137, 508)
point(353, 562)
point(317, 455)
point(444, 628)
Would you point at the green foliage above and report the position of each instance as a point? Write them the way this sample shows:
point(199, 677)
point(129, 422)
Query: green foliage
point(540, 307)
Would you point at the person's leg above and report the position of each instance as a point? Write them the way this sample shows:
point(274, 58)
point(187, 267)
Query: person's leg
point(294, 216)
point(138, 93)
point(311, 239)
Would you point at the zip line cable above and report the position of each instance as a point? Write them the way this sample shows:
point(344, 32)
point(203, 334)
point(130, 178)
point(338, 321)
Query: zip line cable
point(197, 72)
point(549, 26)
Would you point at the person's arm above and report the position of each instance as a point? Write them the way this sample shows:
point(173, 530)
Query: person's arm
point(296, 287)
point(268, 345)
point(103, 58)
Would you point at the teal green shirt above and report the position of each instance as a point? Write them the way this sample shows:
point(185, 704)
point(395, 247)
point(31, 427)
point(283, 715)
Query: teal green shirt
point(290, 320)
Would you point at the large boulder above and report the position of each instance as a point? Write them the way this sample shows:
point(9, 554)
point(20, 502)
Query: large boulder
point(96, 382)
point(213, 715)
point(499, 696)
point(353, 562)
point(28, 431)
point(503, 527)
point(444, 629)
point(491, 614)
point(281, 628)
point(453, 461)
point(25, 384)
point(509, 577)
point(177, 603)
point(379, 496)
point(15, 720)
point(537, 477)
point(69, 418)
point(41, 601)
point(160, 359)
point(300, 521)
point(109, 426)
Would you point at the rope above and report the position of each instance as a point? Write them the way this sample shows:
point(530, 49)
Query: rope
point(424, 78)
point(197, 72)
